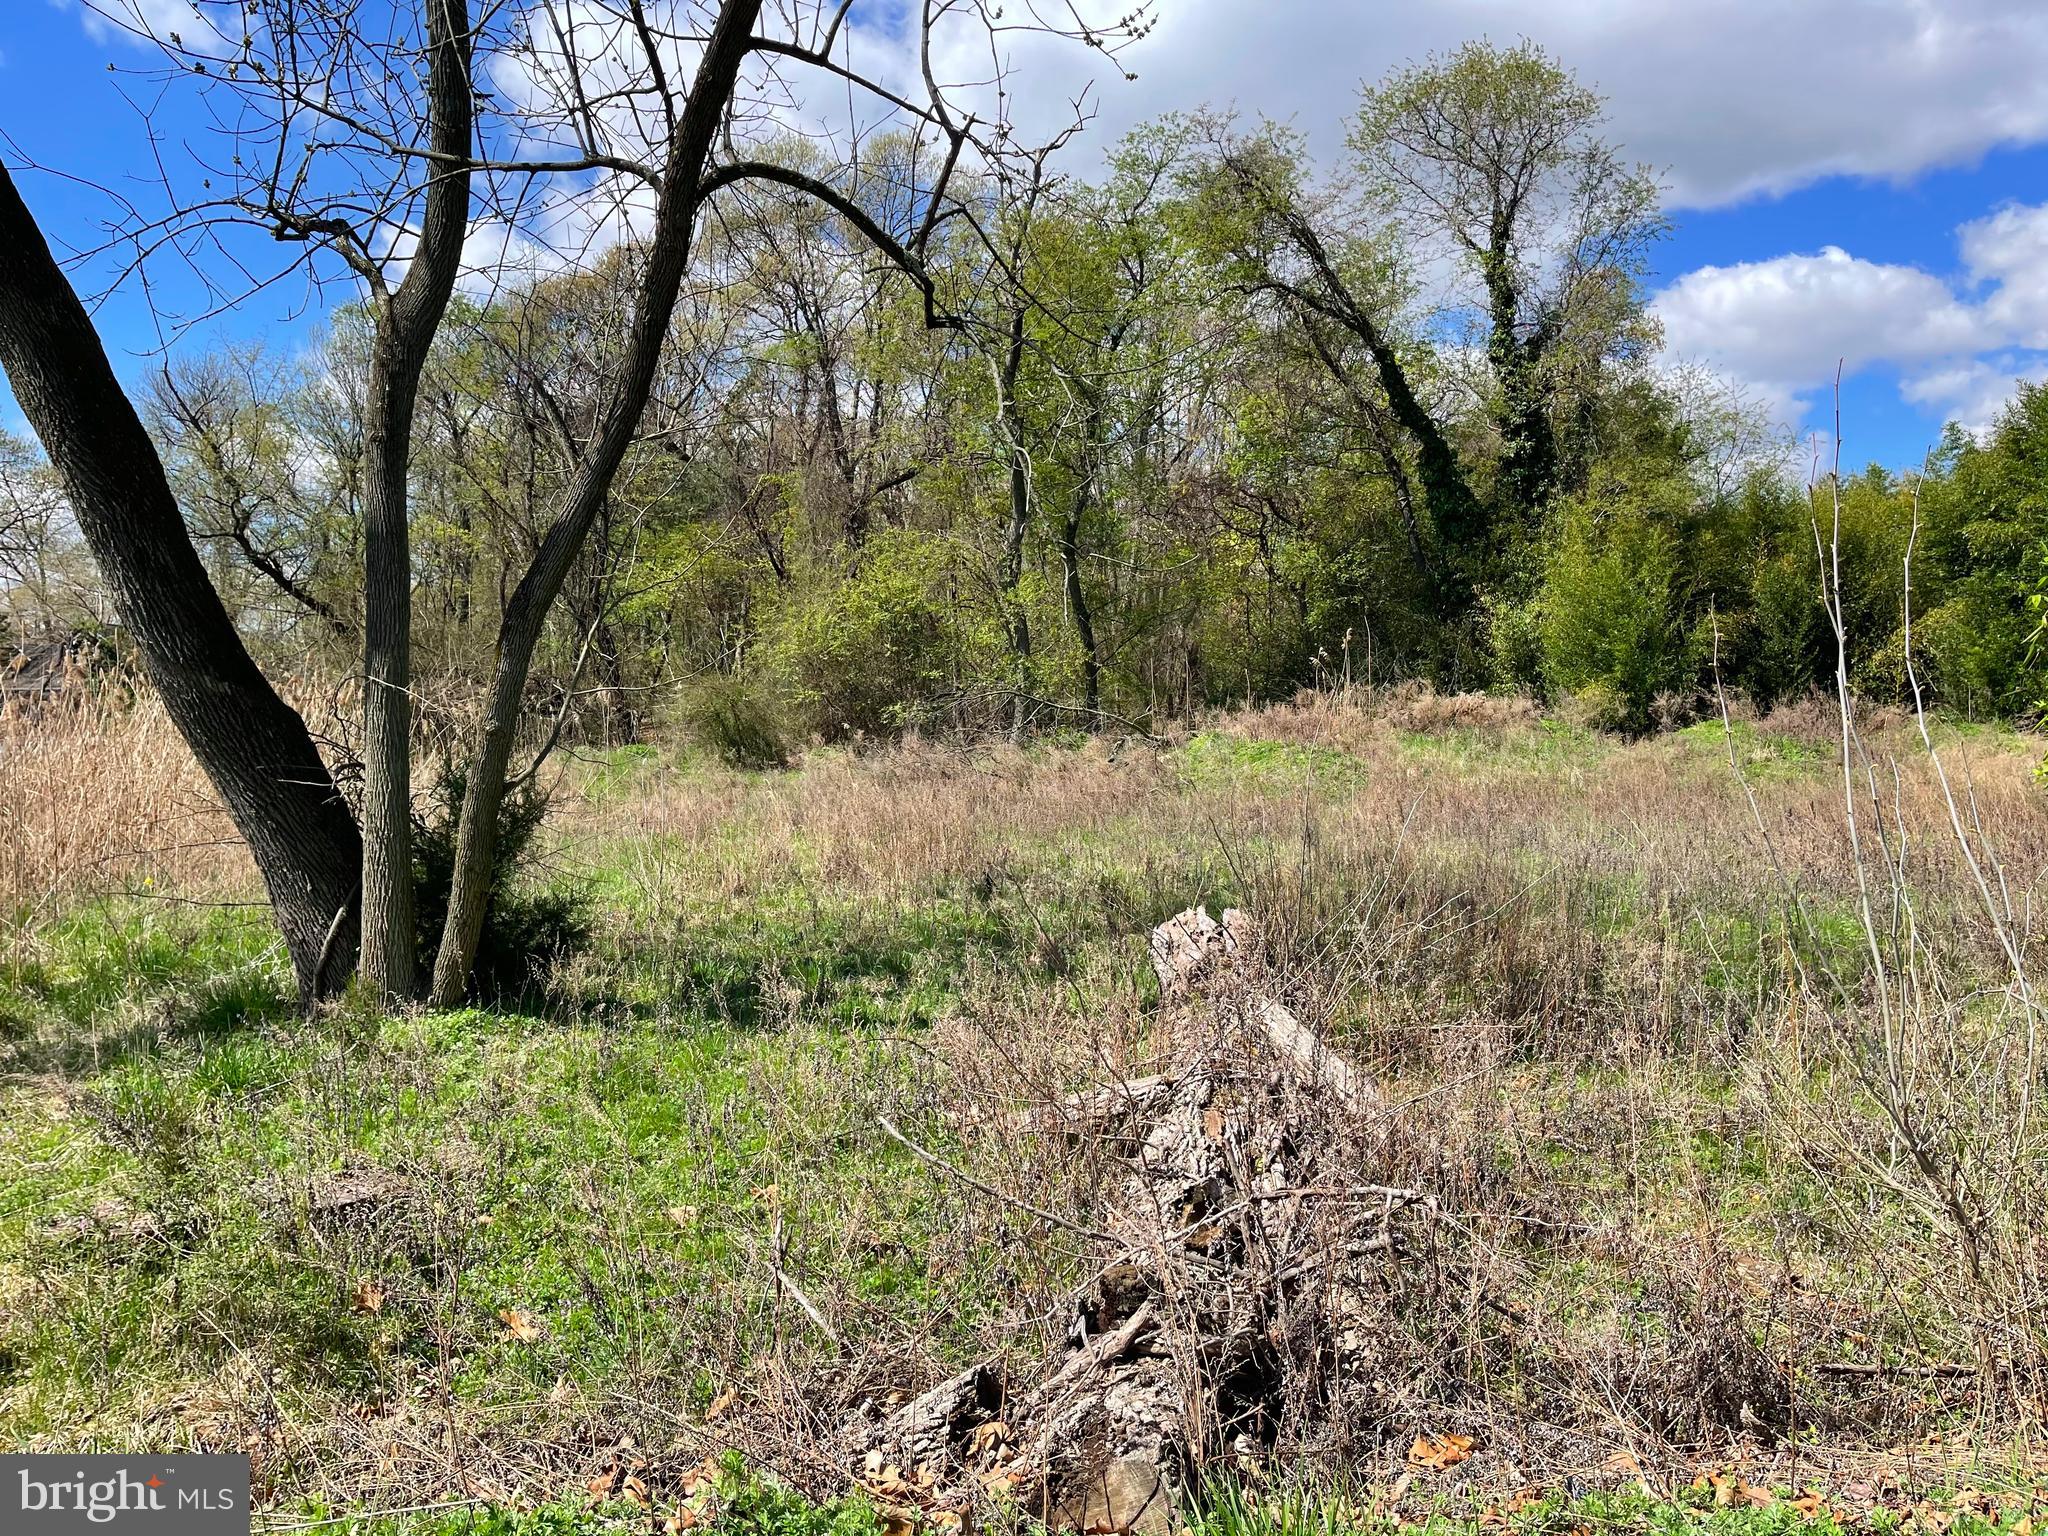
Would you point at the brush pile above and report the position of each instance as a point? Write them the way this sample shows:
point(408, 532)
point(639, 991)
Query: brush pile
point(1253, 1279)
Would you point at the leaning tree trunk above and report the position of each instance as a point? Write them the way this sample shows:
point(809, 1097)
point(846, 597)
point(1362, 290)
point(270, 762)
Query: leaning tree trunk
point(668, 257)
point(406, 322)
point(253, 746)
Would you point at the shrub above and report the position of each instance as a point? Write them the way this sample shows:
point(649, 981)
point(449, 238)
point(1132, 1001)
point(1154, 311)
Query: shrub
point(870, 651)
point(528, 927)
point(1612, 618)
point(737, 720)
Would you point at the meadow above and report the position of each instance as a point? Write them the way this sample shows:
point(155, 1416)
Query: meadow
point(1723, 1080)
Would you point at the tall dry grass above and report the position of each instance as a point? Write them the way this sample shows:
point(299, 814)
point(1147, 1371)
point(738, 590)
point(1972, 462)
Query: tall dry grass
point(1734, 1165)
point(99, 798)
point(1718, 1098)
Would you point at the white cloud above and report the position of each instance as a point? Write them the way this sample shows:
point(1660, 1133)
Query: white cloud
point(2010, 250)
point(1776, 319)
point(1734, 97)
point(1973, 391)
point(1781, 326)
point(142, 19)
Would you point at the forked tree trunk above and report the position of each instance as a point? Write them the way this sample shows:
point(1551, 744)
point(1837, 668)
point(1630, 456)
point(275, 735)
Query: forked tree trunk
point(405, 326)
point(253, 746)
point(668, 257)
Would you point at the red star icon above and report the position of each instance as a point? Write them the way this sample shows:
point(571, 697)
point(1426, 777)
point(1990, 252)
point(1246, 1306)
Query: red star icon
point(155, 1481)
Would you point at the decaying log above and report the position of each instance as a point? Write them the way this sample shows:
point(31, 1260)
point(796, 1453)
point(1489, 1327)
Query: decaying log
point(1195, 953)
point(1243, 1279)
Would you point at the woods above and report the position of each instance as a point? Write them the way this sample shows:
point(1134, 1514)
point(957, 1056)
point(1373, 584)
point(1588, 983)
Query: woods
point(624, 735)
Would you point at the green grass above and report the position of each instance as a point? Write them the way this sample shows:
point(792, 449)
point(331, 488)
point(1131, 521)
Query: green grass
point(740, 1501)
point(1761, 755)
point(1234, 1511)
point(617, 1167)
point(1550, 746)
point(616, 1179)
point(1224, 758)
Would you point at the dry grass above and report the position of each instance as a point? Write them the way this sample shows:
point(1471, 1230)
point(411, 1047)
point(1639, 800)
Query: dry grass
point(1673, 1135)
point(99, 799)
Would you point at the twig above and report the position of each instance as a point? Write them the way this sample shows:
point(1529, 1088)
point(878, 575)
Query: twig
point(993, 1193)
point(1933, 1372)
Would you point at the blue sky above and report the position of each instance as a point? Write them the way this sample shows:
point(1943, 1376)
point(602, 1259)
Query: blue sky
point(1859, 179)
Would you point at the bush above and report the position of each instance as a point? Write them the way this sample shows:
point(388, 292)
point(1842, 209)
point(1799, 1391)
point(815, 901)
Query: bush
point(528, 928)
point(873, 650)
point(1612, 617)
point(738, 721)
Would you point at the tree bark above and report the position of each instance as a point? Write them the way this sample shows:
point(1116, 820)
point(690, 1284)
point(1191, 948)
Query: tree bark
point(406, 322)
point(1528, 469)
point(668, 257)
point(1070, 559)
point(1454, 510)
point(253, 746)
point(1016, 528)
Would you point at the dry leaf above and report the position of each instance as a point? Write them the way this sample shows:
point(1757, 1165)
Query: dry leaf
point(720, 1403)
point(519, 1324)
point(1439, 1451)
point(1729, 1489)
point(368, 1296)
point(683, 1215)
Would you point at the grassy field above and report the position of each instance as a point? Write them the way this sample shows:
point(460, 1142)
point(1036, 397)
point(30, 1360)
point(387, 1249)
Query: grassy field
point(1742, 1177)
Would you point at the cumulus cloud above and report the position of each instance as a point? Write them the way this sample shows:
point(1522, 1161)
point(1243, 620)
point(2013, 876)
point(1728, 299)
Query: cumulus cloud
point(2009, 250)
point(1973, 391)
point(1733, 97)
point(1776, 317)
point(1782, 325)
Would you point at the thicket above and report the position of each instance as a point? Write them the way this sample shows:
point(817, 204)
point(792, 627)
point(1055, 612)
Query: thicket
point(1214, 427)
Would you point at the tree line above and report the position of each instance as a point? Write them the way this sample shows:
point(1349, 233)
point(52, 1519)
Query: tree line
point(934, 430)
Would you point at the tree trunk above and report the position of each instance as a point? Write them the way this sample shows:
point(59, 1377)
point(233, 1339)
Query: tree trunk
point(668, 257)
point(1070, 560)
point(1018, 525)
point(253, 746)
point(406, 322)
point(1528, 469)
point(1454, 511)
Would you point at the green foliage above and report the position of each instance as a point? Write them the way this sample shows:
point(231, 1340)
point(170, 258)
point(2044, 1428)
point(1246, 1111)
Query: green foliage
point(529, 927)
point(1613, 619)
point(737, 720)
point(868, 650)
point(753, 1505)
point(1279, 425)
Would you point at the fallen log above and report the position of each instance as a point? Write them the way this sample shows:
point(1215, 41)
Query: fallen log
point(1194, 952)
point(1243, 1280)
